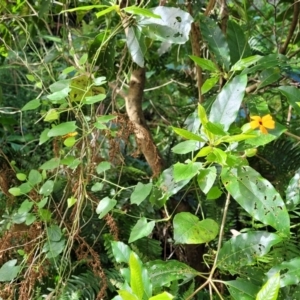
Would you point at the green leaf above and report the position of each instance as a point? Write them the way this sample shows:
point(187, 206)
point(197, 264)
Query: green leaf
point(237, 42)
point(25, 207)
point(47, 188)
point(205, 64)
point(21, 176)
point(53, 249)
point(174, 25)
point(289, 270)
point(15, 191)
point(242, 289)
point(208, 84)
point(257, 196)
point(33, 104)
point(51, 115)
point(186, 147)
point(94, 99)
point(245, 63)
point(9, 270)
point(62, 129)
point(141, 11)
point(186, 171)
point(106, 118)
point(214, 193)
point(44, 136)
point(227, 104)
point(215, 40)
point(34, 177)
point(215, 128)
point(121, 252)
point(136, 45)
point(188, 229)
point(105, 206)
point(102, 167)
point(45, 214)
point(187, 134)
point(70, 141)
point(85, 7)
point(140, 193)
point(269, 76)
point(126, 295)
point(71, 201)
point(54, 233)
point(162, 273)
point(98, 186)
point(162, 296)
point(141, 229)
point(206, 179)
point(25, 188)
point(244, 249)
point(51, 164)
point(107, 10)
point(292, 94)
point(136, 281)
point(270, 289)
point(293, 192)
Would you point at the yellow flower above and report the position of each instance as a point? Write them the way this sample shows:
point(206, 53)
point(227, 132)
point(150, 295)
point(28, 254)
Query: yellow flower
point(262, 123)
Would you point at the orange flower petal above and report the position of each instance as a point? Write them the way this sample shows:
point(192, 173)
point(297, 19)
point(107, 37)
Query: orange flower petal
point(254, 124)
point(256, 118)
point(268, 122)
point(263, 129)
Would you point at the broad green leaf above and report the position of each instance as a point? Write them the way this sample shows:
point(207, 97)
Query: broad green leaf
point(59, 85)
point(269, 76)
point(140, 193)
point(94, 99)
point(186, 171)
point(70, 141)
point(186, 147)
point(208, 84)
point(105, 206)
point(33, 104)
point(53, 249)
point(257, 196)
point(30, 219)
point(292, 94)
point(54, 233)
point(51, 115)
point(102, 167)
point(205, 64)
point(162, 296)
point(9, 270)
point(15, 191)
point(98, 186)
point(206, 178)
point(289, 270)
point(270, 289)
point(214, 193)
point(47, 188)
point(106, 118)
point(237, 42)
point(21, 176)
point(244, 249)
point(215, 40)
point(34, 177)
point(174, 25)
point(162, 273)
point(227, 104)
point(25, 207)
point(242, 289)
point(188, 229)
point(44, 136)
point(141, 229)
point(187, 134)
point(220, 156)
point(44, 214)
point(215, 128)
point(51, 164)
point(136, 45)
point(58, 97)
point(121, 252)
point(136, 281)
point(62, 129)
point(141, 11)
point(293, 192)
point(25, 188)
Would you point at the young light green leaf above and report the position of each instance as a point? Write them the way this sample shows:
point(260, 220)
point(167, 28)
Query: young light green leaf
point(107, 10)
point(121, 252)
point(141, 11)
point(257, 196)
point(44, 136)
point(187, 134)
point(270, 289)
point(25, 207)
point(226, 107)
point(94, 99)
point(204, 64)
point(71, 201)
point(51, 164)
point(188, 229)
point(186, 147)
point(245, 63)
point(162, 296)
point(136, 280)
point(141, 229)
point(140, 193)
point(102, 167)
point(105, 206)
point(126, 295)
point(208, 84)
point(206, 178)
point(21, 176)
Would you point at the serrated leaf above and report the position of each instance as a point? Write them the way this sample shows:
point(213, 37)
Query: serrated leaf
point(140, 193)
point(270, 289)
point(141, 229)
point(227, 104)
point(188, 229)
point(257, 196)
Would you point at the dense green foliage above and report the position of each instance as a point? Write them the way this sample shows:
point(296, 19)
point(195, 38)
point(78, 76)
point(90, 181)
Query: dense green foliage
point(149, 152)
